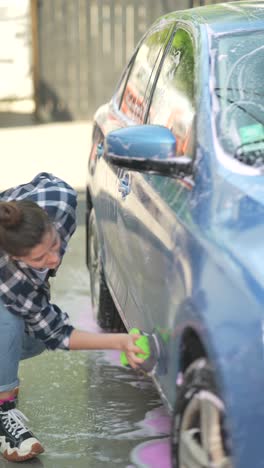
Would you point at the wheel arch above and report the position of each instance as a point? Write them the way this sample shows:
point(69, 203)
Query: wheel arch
point(191, 349)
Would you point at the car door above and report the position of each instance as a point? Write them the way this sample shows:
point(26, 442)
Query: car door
point(151, 216)
point(128, 107)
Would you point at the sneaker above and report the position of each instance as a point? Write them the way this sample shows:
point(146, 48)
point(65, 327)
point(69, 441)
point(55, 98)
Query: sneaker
point(17, 443)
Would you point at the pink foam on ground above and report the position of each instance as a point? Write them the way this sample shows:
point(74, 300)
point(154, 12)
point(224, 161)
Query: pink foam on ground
point(152, 454)
point(158, 419)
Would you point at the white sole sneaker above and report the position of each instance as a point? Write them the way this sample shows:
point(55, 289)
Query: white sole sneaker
point(28, 449)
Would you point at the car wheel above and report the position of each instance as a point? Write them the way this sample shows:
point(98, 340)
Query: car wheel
point(104, 309)
point(198, 436)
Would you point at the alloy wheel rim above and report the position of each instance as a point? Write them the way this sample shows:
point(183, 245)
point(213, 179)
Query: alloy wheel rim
point(201, 440)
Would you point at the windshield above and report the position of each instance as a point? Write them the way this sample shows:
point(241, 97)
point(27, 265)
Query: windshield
point(239, 88)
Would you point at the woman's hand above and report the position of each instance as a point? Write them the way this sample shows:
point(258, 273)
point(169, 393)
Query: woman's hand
point(128, 345)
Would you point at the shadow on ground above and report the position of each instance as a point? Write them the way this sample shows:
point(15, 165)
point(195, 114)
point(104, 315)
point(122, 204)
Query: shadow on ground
point(17, 119)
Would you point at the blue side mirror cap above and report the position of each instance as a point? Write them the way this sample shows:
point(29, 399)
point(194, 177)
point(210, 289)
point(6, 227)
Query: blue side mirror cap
point(142, 142)
point(146, 148)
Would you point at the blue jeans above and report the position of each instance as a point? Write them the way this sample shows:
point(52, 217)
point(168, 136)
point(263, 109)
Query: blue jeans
point(15, 345)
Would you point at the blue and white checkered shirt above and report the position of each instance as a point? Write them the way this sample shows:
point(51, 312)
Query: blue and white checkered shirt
point(22, 290)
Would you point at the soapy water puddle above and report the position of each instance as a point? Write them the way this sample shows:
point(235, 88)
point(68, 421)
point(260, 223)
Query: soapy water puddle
point(154, 453)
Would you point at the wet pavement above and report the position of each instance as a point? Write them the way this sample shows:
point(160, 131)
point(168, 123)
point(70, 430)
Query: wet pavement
point(88, 410)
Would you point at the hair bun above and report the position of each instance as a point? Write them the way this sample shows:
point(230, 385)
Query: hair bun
point(10, 214)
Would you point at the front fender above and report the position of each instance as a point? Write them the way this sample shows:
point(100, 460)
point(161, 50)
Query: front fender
point(229, 326)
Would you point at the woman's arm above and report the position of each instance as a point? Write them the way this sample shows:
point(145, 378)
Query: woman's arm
point(121, 341)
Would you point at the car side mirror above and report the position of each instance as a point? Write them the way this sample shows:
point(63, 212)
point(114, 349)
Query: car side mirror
point(146, 148)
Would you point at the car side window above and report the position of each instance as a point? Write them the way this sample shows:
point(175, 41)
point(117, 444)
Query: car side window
point(142, 75)
point(172, 102)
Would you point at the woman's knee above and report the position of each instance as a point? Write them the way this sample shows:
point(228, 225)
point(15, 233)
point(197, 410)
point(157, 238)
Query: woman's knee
point(14, 342)
point(31, 347)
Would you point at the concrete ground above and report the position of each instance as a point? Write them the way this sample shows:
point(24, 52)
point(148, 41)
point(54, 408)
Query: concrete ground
point(27, 149)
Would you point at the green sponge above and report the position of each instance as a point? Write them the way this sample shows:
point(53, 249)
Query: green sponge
point(142, 342)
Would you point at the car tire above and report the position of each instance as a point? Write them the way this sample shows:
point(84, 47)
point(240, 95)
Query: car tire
point(198, 419)
point(104, 309)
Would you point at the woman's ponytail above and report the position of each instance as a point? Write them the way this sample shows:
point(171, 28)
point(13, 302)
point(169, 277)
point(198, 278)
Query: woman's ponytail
point(22, 226)
point(10, 214)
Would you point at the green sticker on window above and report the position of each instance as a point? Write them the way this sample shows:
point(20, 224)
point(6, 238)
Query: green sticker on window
point(251, 133)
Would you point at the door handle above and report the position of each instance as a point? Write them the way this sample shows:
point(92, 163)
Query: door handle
point(124, 186)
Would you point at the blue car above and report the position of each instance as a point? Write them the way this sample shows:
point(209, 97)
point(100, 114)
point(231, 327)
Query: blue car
point(175, 224)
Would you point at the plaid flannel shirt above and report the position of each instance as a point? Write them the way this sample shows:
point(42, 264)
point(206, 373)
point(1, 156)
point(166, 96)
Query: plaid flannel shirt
point(21, 289)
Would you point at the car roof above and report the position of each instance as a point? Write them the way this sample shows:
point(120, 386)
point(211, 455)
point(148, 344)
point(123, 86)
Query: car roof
point(224, 17)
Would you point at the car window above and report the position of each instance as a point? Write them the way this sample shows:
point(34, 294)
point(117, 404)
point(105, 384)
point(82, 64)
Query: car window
point(142, 75)
point(172, 102)
point(239, 87)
